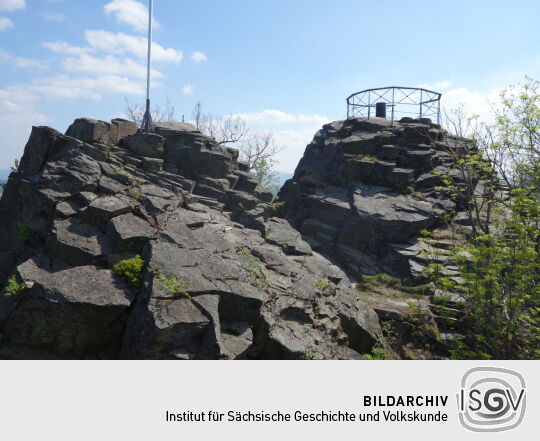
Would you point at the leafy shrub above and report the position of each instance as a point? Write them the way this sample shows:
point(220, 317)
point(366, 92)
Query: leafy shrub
point(461, 351)
point(419, 318)
point(131, 270)
point(378, 353)
point(13, 286)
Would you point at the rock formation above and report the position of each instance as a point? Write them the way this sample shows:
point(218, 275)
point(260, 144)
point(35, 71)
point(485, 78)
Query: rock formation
point(363, 194)
point(365, 189)
point(223, 277)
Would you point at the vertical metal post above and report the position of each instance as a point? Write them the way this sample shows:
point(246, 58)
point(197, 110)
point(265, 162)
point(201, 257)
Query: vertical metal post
point(420, 103)
point(369, 105)
point(393, 104)
point(147, 124)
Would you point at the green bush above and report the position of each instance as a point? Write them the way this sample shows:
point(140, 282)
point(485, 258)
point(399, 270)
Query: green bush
point(131, 270)
point(419, 318)
point(378, 353)
point(13, 286)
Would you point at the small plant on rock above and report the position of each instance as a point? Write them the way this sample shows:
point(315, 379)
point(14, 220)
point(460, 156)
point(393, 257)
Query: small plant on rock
point(378, 353)
point(13, 286)
point(277, 205)
point(254, 267)
point(324, 285)
point(135, 190)
point(308, 354)
point(123, 172)
point(131, 271)
point(172, 285)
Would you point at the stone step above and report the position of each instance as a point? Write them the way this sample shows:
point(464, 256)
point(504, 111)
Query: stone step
point(447, 323)
point(450, 299)
point(446, 311)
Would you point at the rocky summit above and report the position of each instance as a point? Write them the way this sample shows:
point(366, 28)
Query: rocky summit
point(365, 190)
point(219, 275)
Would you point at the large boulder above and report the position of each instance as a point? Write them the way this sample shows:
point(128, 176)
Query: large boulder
point(91, 131)
point(145, 144)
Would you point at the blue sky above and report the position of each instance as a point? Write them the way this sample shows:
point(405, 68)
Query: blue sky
point(285, 65)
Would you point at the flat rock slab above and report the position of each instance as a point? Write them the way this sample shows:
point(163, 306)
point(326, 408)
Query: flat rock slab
point(103, 209)
point(76, 241)
point(387, 216)
point(129, 233)
point(279, 232)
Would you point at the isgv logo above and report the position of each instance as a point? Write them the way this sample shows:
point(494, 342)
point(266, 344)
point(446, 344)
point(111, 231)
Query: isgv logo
point(492, 399)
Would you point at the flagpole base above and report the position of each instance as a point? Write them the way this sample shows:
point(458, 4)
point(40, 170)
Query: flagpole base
point(147, 125)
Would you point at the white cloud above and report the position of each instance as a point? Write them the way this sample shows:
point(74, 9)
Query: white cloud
point(5, 23)
point(199, 57)
point(188, 90)
point(130, 12)
point(16, 104)
point(30, 64)
point(293, 143)
point(62, 47)
point(22, 63)
point(107, 65)
point(64, 86)
point(292, 132)
point(53, 16)
point(122, 43)
point(474, 102)
point(436, 87)
point(272, 116)
point(12, 5)
point(18, 113)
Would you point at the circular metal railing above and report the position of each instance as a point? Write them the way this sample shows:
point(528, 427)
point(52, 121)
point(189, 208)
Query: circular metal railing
point(395, 103)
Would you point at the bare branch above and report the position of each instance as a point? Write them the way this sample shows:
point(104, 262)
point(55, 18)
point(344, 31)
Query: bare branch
point(135, 112)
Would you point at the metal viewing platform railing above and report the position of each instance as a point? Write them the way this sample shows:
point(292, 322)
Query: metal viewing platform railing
point(396, 102)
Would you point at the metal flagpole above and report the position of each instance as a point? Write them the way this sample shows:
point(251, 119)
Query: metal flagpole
point(147, 124)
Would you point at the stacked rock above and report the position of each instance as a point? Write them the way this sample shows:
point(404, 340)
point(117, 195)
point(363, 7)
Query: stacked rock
point(220, 276)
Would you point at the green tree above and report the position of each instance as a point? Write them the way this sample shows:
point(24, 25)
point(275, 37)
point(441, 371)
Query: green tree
point(267, 178)
point(501, 285)
point(512, 142)
point(500, 264)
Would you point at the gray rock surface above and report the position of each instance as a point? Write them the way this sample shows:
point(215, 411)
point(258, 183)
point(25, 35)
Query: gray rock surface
point(364, 186)
point(223, 278)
